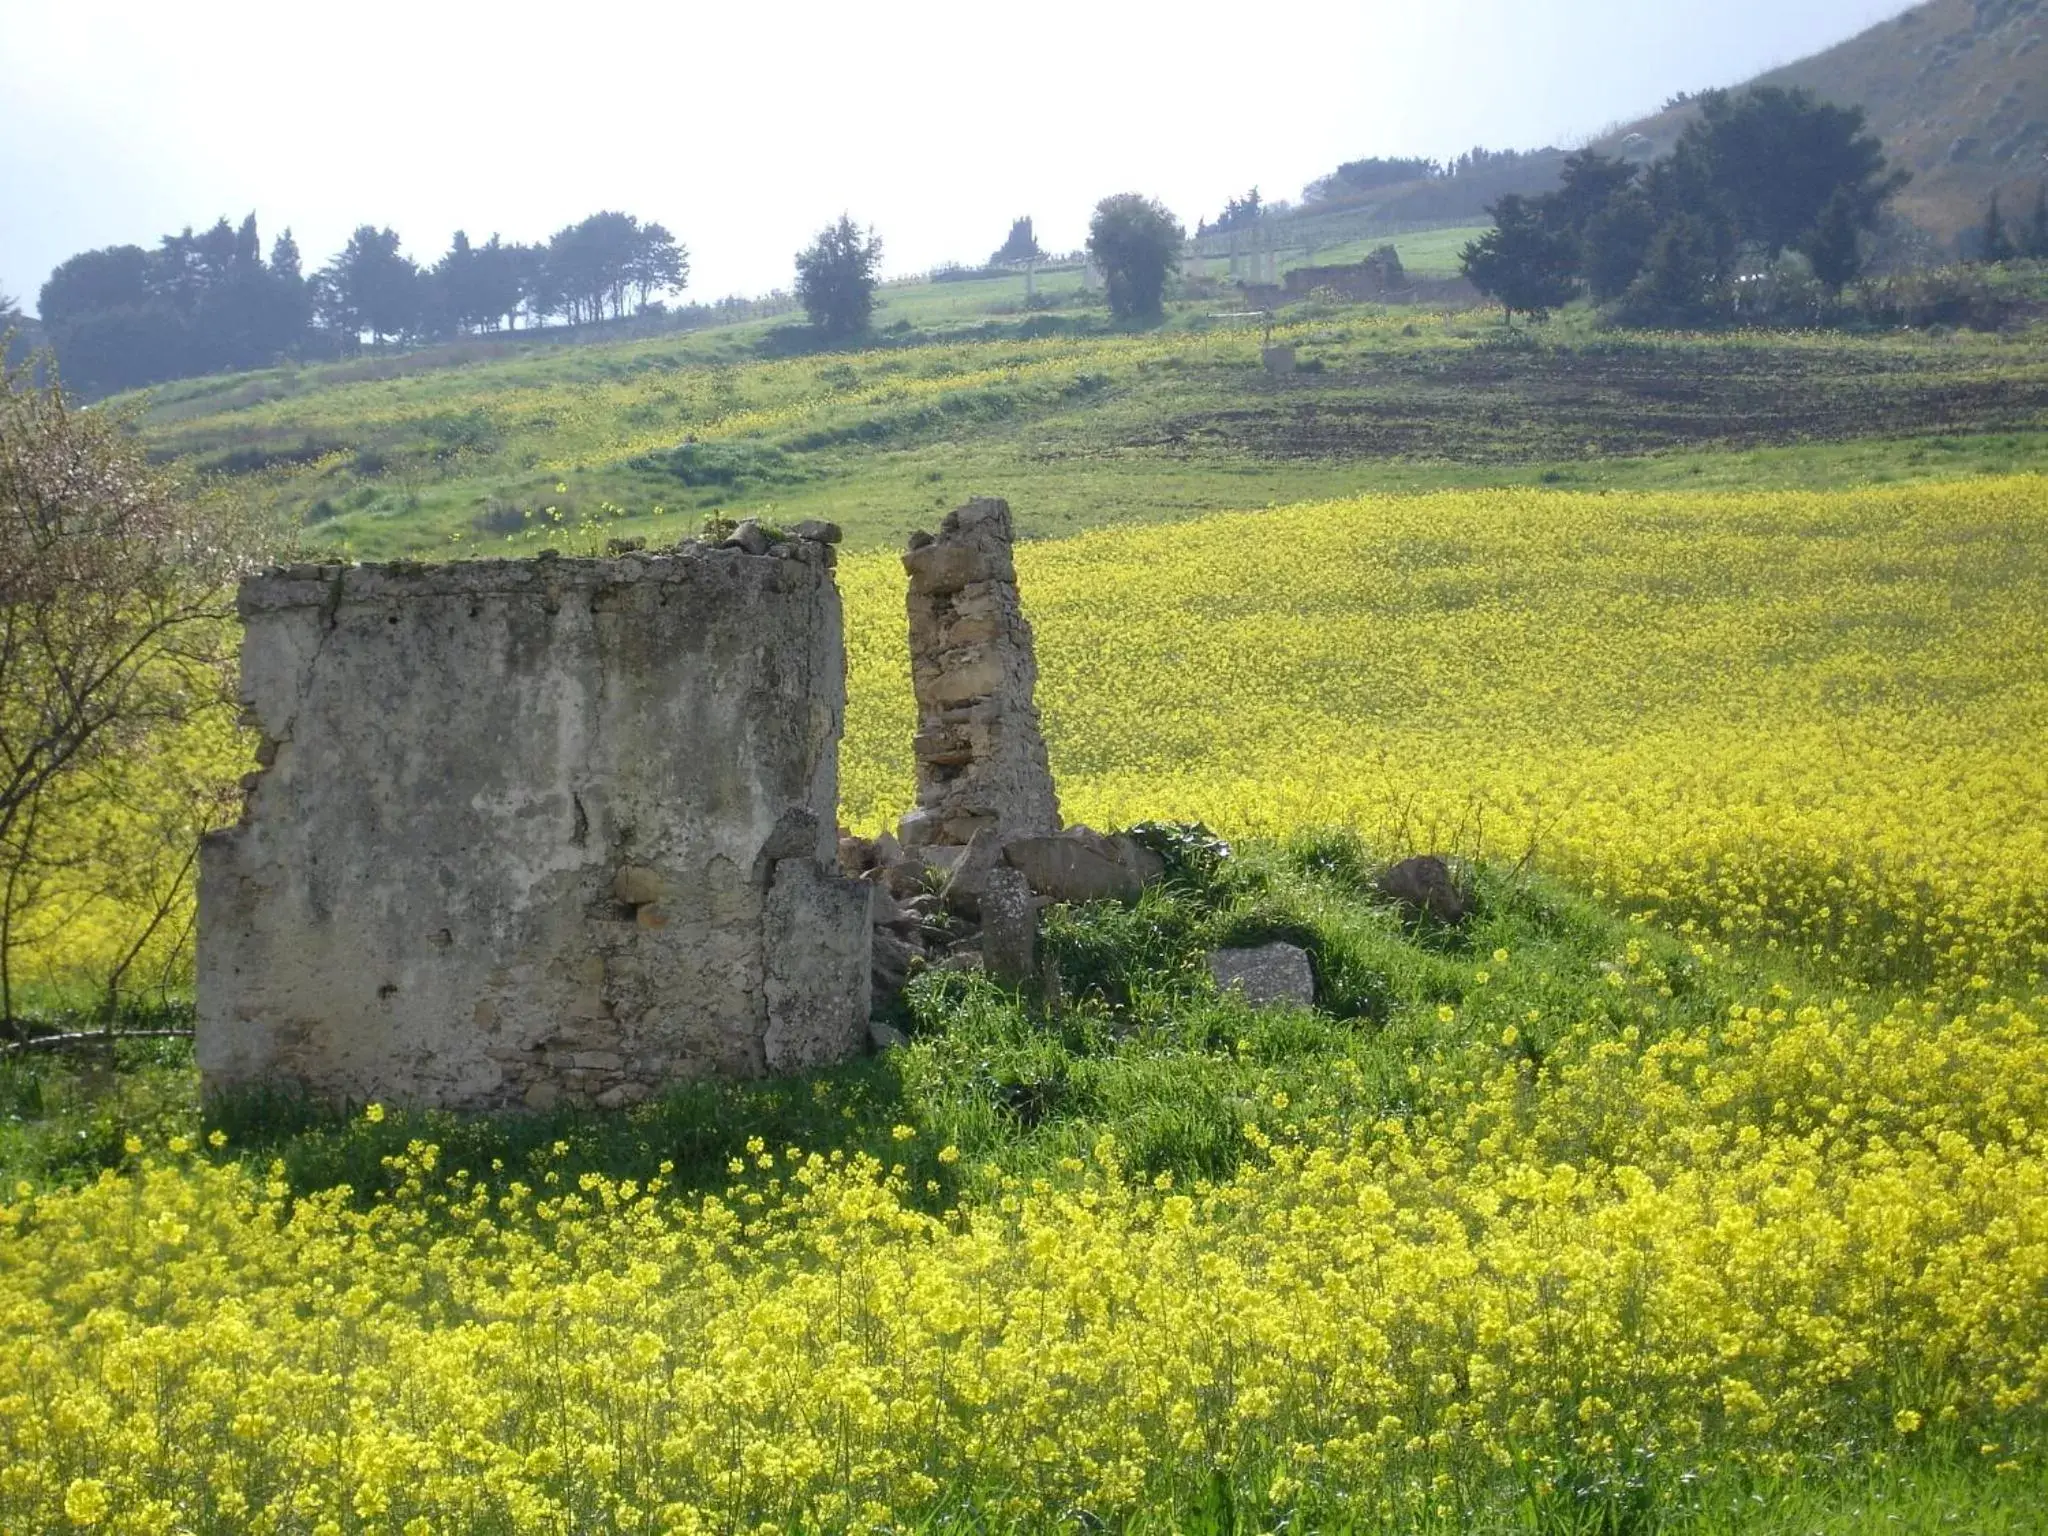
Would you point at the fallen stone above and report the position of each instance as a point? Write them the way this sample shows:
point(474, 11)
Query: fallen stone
point(886, 1037)
point(1082, 865)
point(890, 959)
point(749, 537)
point(816, 531)
point(889, 912)
point(903, 879)
point(1425, 886)
point(856, 855)
point(1009, 925)
point(1271, 973)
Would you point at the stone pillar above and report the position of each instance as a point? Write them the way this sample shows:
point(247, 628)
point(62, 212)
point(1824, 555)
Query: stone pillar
point(982, 776)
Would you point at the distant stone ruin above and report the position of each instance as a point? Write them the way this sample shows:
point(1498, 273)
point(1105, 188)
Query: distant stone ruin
point(533, 832)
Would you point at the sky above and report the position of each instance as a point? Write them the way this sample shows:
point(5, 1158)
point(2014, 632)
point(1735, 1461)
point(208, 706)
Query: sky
point(746, 128)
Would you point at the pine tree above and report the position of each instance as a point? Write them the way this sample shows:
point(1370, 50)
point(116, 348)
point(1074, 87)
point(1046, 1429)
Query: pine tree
point(835, 278)
point(284, 257)
point(1523, 264)
point(1997, 244)
point(248, 255)
point(2037, 226)
point(1833, 247)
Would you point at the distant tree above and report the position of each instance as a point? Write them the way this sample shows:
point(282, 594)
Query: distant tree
point(835, 278)
point(1021, 246)
point(1684, 278)
point(527, 265)
point(495, 284)
point(1835, 244)
point(587, 262)
point(114, 278)
point(291, 302)
point(1997, 244)
point(284, 258)
point(2037, 226)
point(1590, 182)
point(109, 326)
point(1240, 212)
point(1356, 177)
point(333, 313)
point(659, 264)
point(1771, 160)
point(248, 247)
point(372, 287)
point(1137, 244)
point(1616, 244)
point(1522, 263)
point(453, 281)
point(10, 327)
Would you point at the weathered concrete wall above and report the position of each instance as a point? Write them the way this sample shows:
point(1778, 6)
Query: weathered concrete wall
point(981, 764)
point(535, 831)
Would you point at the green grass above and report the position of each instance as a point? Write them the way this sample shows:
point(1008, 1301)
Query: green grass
point(489, 444)
point(1135, 1042)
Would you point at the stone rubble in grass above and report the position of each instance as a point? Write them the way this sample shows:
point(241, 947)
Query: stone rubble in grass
point(1267, 975)
point(1426, 886)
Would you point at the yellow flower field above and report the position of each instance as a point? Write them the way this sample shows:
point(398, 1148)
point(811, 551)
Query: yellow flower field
point(1761, 1247)
point(1811, 720)
point(1810, 1236)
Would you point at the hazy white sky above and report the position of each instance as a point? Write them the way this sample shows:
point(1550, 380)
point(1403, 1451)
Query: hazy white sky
point(744, 128)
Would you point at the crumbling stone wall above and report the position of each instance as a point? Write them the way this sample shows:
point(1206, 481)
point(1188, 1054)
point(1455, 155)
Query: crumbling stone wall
point(981, 764)
point(536, 831)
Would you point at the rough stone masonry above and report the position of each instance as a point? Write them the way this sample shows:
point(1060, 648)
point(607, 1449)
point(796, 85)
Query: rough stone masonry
point(536, 831)
point(982, 773)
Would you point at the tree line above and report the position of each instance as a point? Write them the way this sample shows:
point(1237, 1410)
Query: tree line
point(122, 316)
point(2000, 240)
point(1752, 178)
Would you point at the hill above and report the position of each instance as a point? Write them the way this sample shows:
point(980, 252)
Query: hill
point(1956, 89)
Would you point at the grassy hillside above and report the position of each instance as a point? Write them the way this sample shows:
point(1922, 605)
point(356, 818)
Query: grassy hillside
point(1956, 89)
point(1082, 427)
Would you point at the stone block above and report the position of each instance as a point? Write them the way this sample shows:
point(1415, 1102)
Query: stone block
point(1081, 865)
point(1269, 974)
point(1009, 926)
point(940, 567)
point(1426, 886)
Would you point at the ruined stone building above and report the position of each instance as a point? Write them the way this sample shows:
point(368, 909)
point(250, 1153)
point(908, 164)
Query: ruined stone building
point(564, 831)
point(532, 831)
